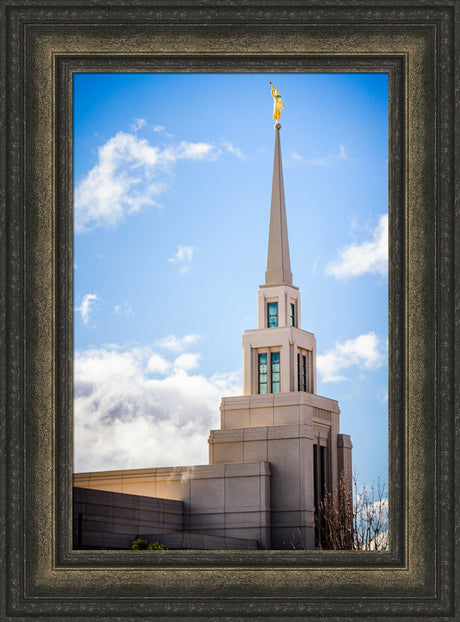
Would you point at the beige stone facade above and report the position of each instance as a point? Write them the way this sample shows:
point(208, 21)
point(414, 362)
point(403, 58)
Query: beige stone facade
point(227, 500)
point(112, 520)
point(279, 447)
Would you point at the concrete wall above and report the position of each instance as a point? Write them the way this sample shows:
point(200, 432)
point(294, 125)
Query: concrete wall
point(198, 541)
point(228, 500)
point(105, 519)
point(289, 449)
point(282, 429)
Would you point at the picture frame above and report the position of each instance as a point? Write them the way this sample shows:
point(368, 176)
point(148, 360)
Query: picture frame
point(44, 44)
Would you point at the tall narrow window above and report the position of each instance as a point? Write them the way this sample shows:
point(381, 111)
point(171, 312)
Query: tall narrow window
point(322, 464)
point(272, 313)
point(292, 314)
point(263, 374)
point(301, 372)
point(315, 477)
point(275, 372)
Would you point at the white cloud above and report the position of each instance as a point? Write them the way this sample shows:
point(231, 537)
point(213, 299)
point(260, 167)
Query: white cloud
point(126, 417)
point(158, 364)
point(370, 256)
point(326, 160)
point(196, 151)
point(87, 306)
point(365, 351)
point(138, 124)
point(129, 175)
point(184, 257)
point(161, 130)
point(176, 344)
point(235, 150)
point(123, 309)
point(187, 361)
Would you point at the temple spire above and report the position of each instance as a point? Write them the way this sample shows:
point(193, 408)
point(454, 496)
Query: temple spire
point(278, 262)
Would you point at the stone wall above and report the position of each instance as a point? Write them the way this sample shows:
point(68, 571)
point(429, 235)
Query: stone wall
point(103, 519)
point(227, 500)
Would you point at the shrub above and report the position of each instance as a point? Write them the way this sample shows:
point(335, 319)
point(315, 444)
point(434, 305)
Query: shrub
point(142, 545)
point(156, 546)
point(139, 544)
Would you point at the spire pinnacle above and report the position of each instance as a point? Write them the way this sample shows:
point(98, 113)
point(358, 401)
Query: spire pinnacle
point(278, 262)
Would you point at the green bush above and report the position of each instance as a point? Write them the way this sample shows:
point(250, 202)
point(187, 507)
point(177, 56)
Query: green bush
point(139, 544)
point(142, 545)
point(156, 546)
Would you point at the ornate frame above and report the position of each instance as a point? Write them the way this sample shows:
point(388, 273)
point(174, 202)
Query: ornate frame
point(44, 42)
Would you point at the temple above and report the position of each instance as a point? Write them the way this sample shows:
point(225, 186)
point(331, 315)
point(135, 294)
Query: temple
point(277, 452)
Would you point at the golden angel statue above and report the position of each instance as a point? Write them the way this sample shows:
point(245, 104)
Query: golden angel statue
point(277, 103)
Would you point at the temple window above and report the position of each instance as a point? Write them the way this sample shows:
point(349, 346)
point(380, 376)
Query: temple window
point(301, 372)
point(272, 314)
point(268, 372)
point(263, 373)
point(275, 372)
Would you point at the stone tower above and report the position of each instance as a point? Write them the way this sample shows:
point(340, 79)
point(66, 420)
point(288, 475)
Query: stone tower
point(280, 418)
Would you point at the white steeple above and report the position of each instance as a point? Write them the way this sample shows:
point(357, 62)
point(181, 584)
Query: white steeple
point(278, 261)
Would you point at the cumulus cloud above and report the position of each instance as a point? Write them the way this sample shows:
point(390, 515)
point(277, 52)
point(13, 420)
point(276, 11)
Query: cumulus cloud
point(183, 257)
point(187, 361)
point(326, 160)
point(158, 364)
point(87, 306)
point(176, 344)
point(370, 256)
point(134, 408)
point(130, 173)
point(365, 352)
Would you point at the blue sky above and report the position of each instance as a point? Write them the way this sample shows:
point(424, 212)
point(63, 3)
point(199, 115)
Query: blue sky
point(172, 183)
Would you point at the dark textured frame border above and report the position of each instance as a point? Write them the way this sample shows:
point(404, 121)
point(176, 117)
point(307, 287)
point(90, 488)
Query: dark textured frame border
point(44, 42)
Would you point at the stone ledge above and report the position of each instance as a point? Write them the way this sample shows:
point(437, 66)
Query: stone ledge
point(161, 474)
point(280, 399)
point(263, 433)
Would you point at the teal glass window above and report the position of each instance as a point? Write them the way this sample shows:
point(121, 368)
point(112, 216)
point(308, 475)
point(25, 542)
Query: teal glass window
point(275, 372)
point(292, 314)
point(272, 313)
point(263, 373)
